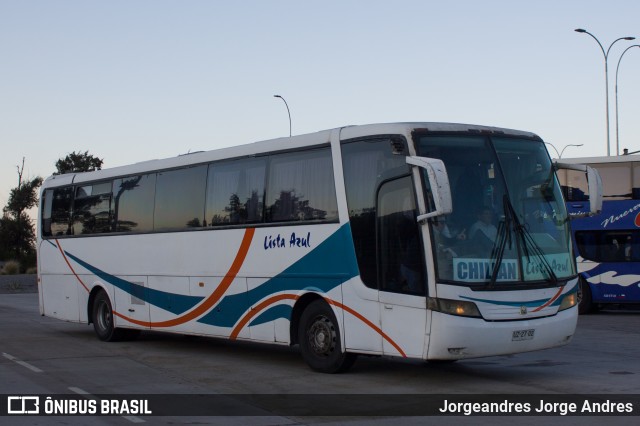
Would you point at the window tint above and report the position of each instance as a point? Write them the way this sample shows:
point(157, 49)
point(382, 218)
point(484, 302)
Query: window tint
point(301, 187)
point(180, 198)
point(399, 243)
point(235, 192)
point(609, 246)
point(47, 199)
point(133, 199)
point(60, 209)
point(366, 164)
point(91, 209)
point(230, 192)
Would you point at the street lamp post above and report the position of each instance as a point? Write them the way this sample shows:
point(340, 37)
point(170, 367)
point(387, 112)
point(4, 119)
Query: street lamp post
point(288, 112)
point(606, 75)
point(565, 147)
point(617, 69)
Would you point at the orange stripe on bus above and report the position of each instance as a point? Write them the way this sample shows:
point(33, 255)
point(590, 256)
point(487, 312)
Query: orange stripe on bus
point(69, 265)
point(369, 323)
point(257, 309)
point(550, 301)
point(214, 297)
point(254, 311)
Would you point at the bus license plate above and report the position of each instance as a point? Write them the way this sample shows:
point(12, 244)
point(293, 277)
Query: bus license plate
point(523, 334)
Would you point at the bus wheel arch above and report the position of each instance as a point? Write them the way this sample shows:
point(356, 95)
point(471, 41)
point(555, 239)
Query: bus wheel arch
point(319, 337)
point(101, 315)
point(585, 304)
point(90, 302)
point(299, 307)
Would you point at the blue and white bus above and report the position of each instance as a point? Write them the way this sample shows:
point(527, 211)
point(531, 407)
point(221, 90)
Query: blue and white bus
point(432, 241)
point(607, 244)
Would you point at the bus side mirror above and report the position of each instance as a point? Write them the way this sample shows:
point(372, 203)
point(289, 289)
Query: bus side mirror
point(594, 183)
point(595, 190)
point(436, 173)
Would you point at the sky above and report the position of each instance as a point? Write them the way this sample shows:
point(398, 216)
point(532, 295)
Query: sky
point(130, 81)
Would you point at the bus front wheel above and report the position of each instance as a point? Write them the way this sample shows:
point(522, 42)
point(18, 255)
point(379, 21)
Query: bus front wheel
point(319, 338)
point(102, 317)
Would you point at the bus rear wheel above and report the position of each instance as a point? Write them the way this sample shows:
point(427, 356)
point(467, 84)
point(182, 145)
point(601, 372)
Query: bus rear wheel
point(102, 317)
point(319, 337)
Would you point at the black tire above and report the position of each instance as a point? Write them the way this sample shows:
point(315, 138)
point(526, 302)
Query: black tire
point(319, 337)
point(440, 361)
point(585, 304)
point(102, 317)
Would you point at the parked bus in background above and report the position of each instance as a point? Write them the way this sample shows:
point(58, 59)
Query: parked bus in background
point(607, 244)
point(424, 240)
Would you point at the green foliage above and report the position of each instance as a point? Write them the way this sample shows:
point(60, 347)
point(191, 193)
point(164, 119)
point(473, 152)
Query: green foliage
point(17, 238)
point(23, 197)
point(17, 231)
point(78, 162)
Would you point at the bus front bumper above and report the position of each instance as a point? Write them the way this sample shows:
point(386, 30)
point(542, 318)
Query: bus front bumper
point(454, 337)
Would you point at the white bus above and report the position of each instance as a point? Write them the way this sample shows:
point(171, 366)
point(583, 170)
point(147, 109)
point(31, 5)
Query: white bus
point(424, 240)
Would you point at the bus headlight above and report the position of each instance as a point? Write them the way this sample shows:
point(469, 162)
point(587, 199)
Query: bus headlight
point(569, 300)
point(453, 307)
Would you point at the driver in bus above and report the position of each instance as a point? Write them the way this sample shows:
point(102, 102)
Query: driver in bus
point(484, 232)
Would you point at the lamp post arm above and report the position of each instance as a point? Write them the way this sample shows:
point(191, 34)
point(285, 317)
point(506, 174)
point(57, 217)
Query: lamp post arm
point(617, 40)
point(288, 112)
point(554, 148)
point(618, 67)
point(605, 54)
point(567, 146)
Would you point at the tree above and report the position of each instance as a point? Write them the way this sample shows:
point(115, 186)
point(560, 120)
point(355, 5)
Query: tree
point(17, 232)
point(78, 162)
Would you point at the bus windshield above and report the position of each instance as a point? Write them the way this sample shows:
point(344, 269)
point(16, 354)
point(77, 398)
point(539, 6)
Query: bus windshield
point(509, 224)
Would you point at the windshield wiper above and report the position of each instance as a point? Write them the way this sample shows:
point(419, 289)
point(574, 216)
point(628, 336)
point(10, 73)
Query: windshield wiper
point(503, 237)
point(530, 247)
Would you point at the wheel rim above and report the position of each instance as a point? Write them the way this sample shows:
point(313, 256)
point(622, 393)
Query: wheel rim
point(104, 316)
point(322, 336)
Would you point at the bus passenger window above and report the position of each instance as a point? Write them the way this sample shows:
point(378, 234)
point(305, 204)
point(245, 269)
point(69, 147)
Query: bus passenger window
point(91, 209)
point(301, 187)
point(61, 211)
point(235, 192)
point(179, 200)
point(133, 199)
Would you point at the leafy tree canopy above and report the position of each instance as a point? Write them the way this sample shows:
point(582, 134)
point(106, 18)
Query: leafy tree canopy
point(23, 197)
point(17, 232)
point(78, 162)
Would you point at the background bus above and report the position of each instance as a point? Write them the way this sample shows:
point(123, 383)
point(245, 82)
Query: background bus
point(607, 244)
point(425, 240)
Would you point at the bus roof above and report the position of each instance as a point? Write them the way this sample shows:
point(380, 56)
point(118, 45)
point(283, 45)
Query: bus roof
point(279, 144)
point(600, 160)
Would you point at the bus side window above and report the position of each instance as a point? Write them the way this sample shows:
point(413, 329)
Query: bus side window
point(399, 243)
point(92, 209)
point(235, 192)
point(61, 211)
point(366, 163)
point(133, 202)
point(301, 187)
point(179, 200)
point(47, 200)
